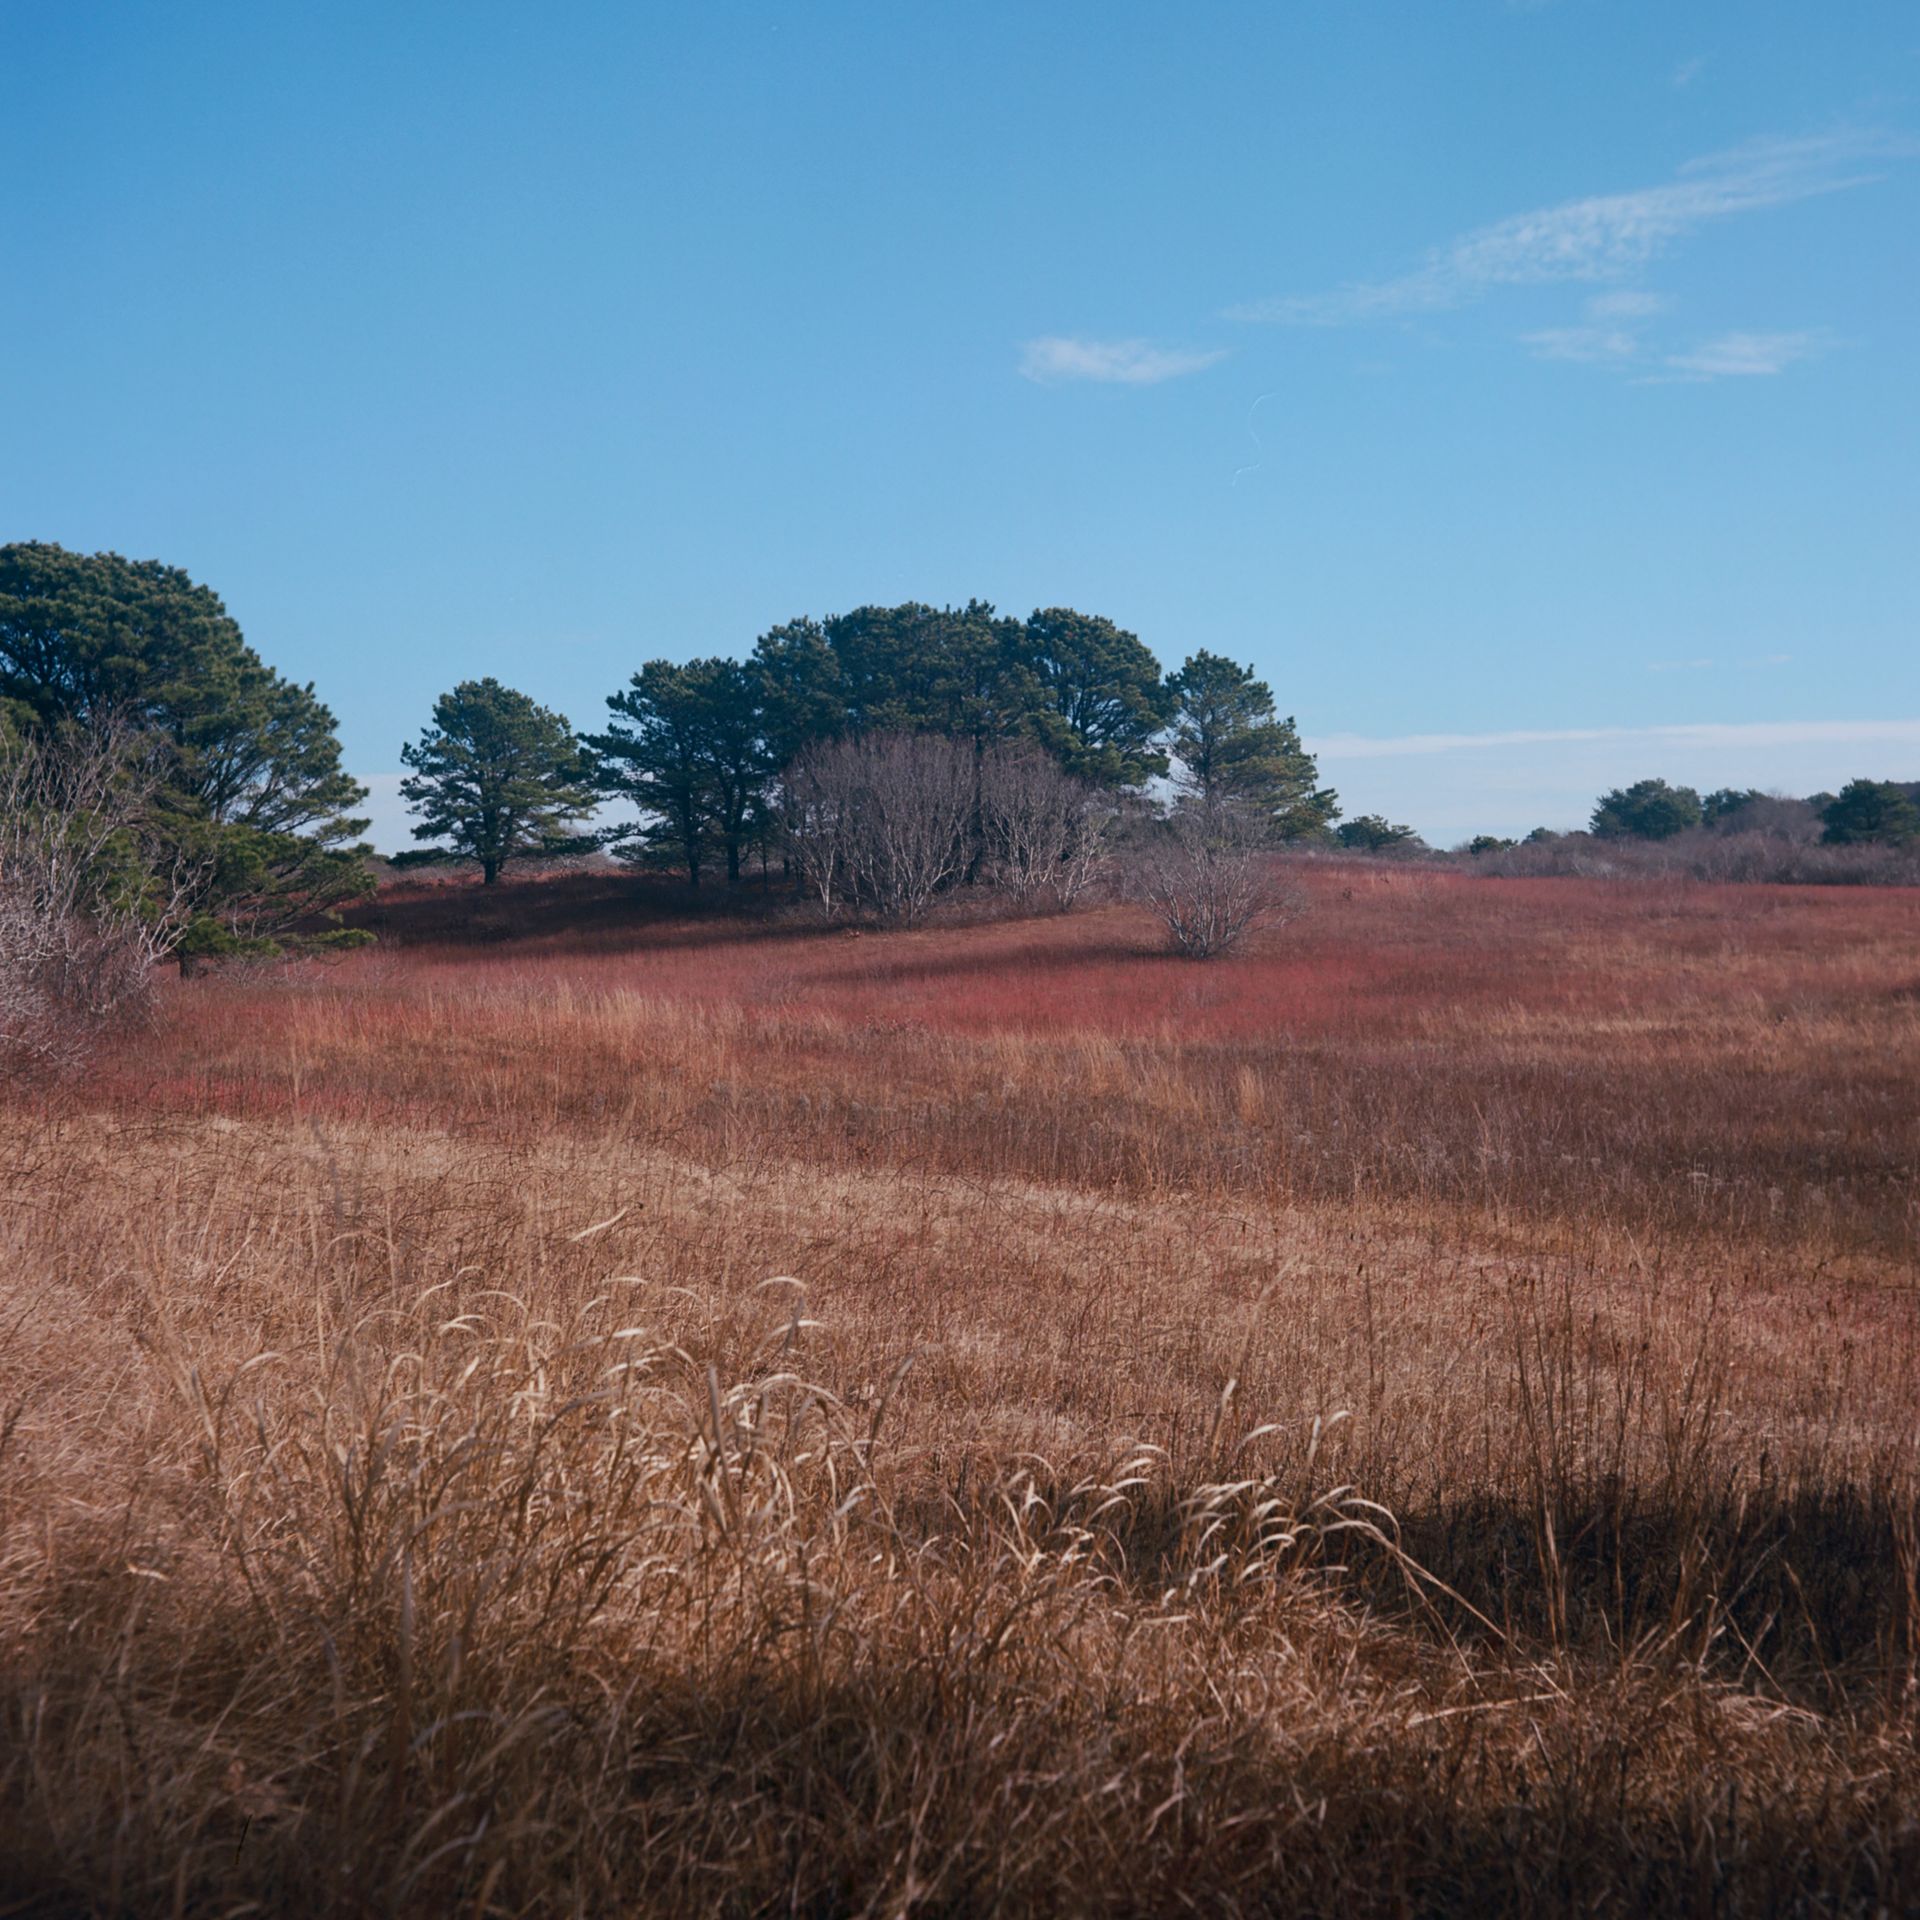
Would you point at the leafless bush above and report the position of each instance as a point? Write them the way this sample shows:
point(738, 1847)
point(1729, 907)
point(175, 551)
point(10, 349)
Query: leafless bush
point(1046, 832)
point(1209, 876)
point(1772, 852)
point(883, 822)
point(889, 822)
point(88, 899)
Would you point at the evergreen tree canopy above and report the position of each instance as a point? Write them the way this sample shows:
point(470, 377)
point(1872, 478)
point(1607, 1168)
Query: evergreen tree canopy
point(905, 669)
point(1101, 702)
point(1724, 804)
point(1647, 810)
point(1230, 747)
point(1877, 812)
point(688, 745)
point(1374, 833)
point(496, 777)
point(255, 795)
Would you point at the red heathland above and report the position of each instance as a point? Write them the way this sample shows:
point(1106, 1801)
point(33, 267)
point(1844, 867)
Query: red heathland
point(1689, 1058)
point(426, 1491)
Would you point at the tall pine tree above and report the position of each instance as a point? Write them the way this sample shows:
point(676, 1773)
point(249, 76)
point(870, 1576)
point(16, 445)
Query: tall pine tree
point(497, 777)
point(1231, 747)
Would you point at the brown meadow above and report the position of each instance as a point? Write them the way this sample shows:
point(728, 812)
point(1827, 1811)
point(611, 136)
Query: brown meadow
point(598, 1406)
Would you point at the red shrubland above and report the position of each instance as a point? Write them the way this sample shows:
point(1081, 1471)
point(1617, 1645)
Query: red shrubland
point(595, 1405)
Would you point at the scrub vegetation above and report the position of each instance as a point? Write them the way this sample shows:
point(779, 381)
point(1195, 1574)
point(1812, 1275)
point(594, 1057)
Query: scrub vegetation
point(616, 1399)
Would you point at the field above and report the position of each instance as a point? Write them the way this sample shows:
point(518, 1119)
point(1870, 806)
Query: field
point(595, 1406)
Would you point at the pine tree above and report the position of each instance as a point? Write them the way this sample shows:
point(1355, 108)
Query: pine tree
point(496, 777)
point(1231, 747)
point(254, 800)
point(688, 747)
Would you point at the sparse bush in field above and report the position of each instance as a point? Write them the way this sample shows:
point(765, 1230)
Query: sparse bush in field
point(90, 896)
point(1045, 831)
point(1206, 874)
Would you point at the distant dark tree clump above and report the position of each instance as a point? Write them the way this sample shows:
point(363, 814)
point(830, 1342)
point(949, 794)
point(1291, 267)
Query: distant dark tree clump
point(251, 799)
point(1061, 719)
point(1489, 843)
point(1724, 805)
point(1647, 810)
point(687, 745)
point(1871, 812)
point(1231, 747)
point(1374, 833)
point(497, 777)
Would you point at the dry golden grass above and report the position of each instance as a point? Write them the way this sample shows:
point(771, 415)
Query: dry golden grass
point(677, 1423)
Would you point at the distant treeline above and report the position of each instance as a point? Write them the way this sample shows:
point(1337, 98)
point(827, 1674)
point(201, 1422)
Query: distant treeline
point(1867, 833)
point(135, 719)
point(703, 751)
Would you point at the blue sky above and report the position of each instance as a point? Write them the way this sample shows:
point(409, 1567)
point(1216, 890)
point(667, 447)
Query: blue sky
point(1530, 391)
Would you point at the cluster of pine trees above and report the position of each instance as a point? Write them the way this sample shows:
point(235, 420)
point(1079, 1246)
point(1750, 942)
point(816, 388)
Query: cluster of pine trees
point(698, 750)
point(222, 780)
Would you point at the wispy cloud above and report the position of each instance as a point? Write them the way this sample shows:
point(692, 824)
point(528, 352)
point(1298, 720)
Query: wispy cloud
point(1747, 355)
point(1688, 71)
point(1614, 334)
point(1705, 734)
point(1602, 237)
point(1594, 345)
point(1130, 363)
point(1630, 303)
point(1610, 336)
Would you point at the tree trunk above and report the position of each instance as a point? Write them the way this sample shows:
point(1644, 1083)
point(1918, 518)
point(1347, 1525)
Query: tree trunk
point(489, 872)
point(189, 964)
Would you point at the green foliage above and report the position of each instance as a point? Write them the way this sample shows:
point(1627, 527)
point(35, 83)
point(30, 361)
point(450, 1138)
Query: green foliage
point(496, 777)
point(1719, 807)
point(1647, 810)
point(905, 669)
point(1100, 700)
point(1489, 843)
point(1872, 812)
point(1230, 747)
point(688, 745)
point(1374, 833)
point(255, 800)
point(802, 688)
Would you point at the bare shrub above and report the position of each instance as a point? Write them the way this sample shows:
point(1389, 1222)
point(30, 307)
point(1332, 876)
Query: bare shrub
point(89, 900)
point(1046, 832)
point(1207, 873)
point(883, 822)
point(816, 803)
point(1775, 851)
point(889, 822)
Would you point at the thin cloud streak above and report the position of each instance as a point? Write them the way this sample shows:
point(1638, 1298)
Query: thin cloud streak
point(1747, 355)
point(1601, 237)
point(1753, 733)
point(1132, 363)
